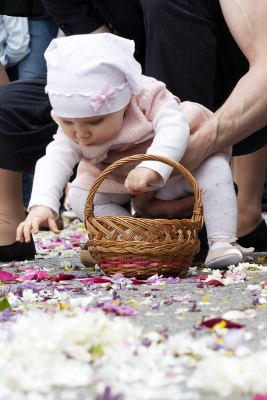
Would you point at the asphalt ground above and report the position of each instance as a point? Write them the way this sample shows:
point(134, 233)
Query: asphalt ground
point(167, 306)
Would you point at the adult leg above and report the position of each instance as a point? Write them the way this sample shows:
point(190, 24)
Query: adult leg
point(10, 196)
point(10, 200)
point(249, 174)
point(11, 214)
point(26, 127)
point(181, 47)
point(11, 206)
point(42, 31)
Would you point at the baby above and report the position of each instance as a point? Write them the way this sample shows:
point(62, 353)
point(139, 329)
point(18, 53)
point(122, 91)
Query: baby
point(106, 110)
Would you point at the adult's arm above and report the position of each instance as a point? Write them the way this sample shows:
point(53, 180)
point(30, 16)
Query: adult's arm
point(245, 110)
point(75, 17)
point(18, 39)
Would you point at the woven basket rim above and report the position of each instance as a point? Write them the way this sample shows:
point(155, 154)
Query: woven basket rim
point(198, 207)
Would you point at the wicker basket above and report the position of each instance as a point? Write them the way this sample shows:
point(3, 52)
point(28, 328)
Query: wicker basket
point(138, 247)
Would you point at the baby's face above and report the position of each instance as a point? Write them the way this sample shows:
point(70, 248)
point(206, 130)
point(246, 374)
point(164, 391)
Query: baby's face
point(93, 130)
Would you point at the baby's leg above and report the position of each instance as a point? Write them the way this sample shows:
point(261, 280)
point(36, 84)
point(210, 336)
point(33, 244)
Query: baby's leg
point(214, 178)
point(111, 204)
point(215, 181)
point(104, 203)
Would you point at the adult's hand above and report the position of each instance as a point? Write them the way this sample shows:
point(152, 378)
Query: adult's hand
point(197, 150)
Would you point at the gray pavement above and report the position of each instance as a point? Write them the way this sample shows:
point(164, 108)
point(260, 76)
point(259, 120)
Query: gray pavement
point(165, 307)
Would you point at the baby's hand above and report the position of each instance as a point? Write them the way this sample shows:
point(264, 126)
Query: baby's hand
point(139, 179)
point(38, 216)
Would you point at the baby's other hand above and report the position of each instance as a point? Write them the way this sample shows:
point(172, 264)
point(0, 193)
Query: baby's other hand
point(139, 179)
point(38, 216)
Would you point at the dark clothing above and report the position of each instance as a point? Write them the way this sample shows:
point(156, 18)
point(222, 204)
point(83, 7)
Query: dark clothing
point(26, 125)
point(22, 8)
point(185, 44)
point(75, 17)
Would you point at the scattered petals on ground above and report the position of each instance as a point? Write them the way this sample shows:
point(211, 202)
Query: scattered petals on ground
point(69, 333)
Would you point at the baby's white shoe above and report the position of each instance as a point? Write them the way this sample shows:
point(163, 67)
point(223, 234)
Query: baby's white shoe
point(222, 258)
point(222, 253)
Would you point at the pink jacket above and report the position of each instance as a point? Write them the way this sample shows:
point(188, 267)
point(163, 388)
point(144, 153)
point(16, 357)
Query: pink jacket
point(135, 137)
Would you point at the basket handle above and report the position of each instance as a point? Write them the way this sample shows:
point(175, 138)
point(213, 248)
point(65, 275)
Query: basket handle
point(198, 208)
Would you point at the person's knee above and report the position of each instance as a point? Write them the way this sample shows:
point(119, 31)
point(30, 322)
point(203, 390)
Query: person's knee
point(215, 163)
point(77, 200)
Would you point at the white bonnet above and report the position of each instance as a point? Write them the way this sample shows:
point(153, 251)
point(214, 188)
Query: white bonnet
point(89, 75)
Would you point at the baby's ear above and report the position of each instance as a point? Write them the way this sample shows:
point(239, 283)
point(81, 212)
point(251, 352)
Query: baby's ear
point(55, 117)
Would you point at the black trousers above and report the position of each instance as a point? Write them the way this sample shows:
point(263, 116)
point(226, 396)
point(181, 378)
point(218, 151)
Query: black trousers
point(26, 126)
point(186, 44)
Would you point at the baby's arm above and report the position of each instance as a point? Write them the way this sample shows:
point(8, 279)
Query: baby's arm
point(52, 173)
point(171, 140)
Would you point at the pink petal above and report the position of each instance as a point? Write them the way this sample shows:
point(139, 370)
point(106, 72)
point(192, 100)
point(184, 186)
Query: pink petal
point(201, 277)
point(212, 282)
point(7, 276)
point(61, 277)
point(138, 282)
point(38, 275)
point(94, 280)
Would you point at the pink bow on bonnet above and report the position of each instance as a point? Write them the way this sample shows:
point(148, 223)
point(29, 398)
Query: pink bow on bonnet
point(89, 75)
point(106, 96)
